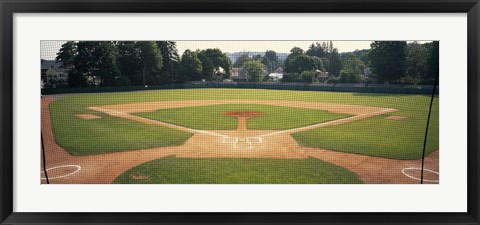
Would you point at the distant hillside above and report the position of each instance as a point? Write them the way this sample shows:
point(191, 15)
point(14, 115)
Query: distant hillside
point(235, 55)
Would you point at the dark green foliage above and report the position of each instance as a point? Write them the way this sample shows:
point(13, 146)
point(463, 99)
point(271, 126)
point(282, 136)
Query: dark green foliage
point(76, 79)
point(170, 59)
point(97, 59)
point(241, 60)
point(388, 59)
point(254, 71)
point(212, 59)
point(123, 81)
point(308, 76)
point(352, 71)
point(129, 61)
point(291, 77)
point(190, 68)
point(270, 60)
point(335, 64)
point(320, 49)
point(67, 54)
point(432, 62)
point(302, 63)
point(152, 62)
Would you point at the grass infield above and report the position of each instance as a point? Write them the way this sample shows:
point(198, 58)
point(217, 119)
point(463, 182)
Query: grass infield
point(172, 170)
point(377, 136)
point(211, 118)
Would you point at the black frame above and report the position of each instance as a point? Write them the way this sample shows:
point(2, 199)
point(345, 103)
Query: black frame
point(9, 7)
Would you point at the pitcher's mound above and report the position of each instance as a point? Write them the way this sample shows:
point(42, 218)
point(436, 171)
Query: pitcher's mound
point(396, 118)
point(242, 113)
point(88, 116)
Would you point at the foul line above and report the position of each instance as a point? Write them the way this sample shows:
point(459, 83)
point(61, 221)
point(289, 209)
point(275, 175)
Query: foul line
point(140, 119)
point(333, 122)
point(289, 131)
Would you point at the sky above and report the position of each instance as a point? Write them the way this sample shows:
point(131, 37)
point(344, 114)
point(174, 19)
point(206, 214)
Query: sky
point(262, 46)
point(49, 49)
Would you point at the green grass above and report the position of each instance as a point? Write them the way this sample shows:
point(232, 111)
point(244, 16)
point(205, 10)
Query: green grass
point(375, 136)
point(107, 134)
point(172, 170)
point(211, 118)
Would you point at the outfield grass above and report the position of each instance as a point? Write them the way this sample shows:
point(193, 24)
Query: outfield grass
point(211, 118)
point(375, 136)
point(107, 134)
point(172, 170)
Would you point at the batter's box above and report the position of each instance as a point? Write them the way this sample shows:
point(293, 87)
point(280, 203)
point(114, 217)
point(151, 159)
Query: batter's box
point(230, 140)
point(249, 141)
point(254, 140)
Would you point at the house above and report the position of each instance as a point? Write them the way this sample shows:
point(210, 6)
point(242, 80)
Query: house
point(56, 77)
point(53, 74)
point(239, 74)
point(242, 74)
point(234, 73)
point(367, 72)
point(275, 76)
point(219, 72)
point(48, 64)
point(322, 75)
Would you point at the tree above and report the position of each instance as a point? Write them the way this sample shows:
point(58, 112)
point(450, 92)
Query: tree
point(294, 52)
point(170, 58)
point(271, 55)
point(319, 50)
point(107, 69)
point(362, 55)
point(302, 63)
point(76, 79)
point(308, 76)
point(352, 70)
point(334, 63)
point(67, 54)
point(270, 60)
point(241, 60)
point(129, 61)
point(190, 67)
point(416, 63)
point(212, 59)
point(433, 61)
point(257, 57)
point(97, 59)
point(254, 70)
point(291, 77)
point(152, 61)
point(388, 59)
point(269, 65)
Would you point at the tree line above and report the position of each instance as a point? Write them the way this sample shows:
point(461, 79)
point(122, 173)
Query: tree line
point(395, 62)
point(123, 63)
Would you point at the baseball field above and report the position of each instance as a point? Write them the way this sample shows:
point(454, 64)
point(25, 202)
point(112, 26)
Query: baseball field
point(239, 136)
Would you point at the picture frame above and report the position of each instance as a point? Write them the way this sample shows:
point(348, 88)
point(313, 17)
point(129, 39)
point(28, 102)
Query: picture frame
point(9, 8)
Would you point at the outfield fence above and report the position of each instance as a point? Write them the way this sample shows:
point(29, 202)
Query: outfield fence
point(361, 88)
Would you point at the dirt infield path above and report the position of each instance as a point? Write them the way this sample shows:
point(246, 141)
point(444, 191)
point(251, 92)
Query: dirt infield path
point(240, 143)
point(376, 170)
point(95, 169)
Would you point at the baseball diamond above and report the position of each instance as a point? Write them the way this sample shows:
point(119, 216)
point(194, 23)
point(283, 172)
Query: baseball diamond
point(238, 136)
